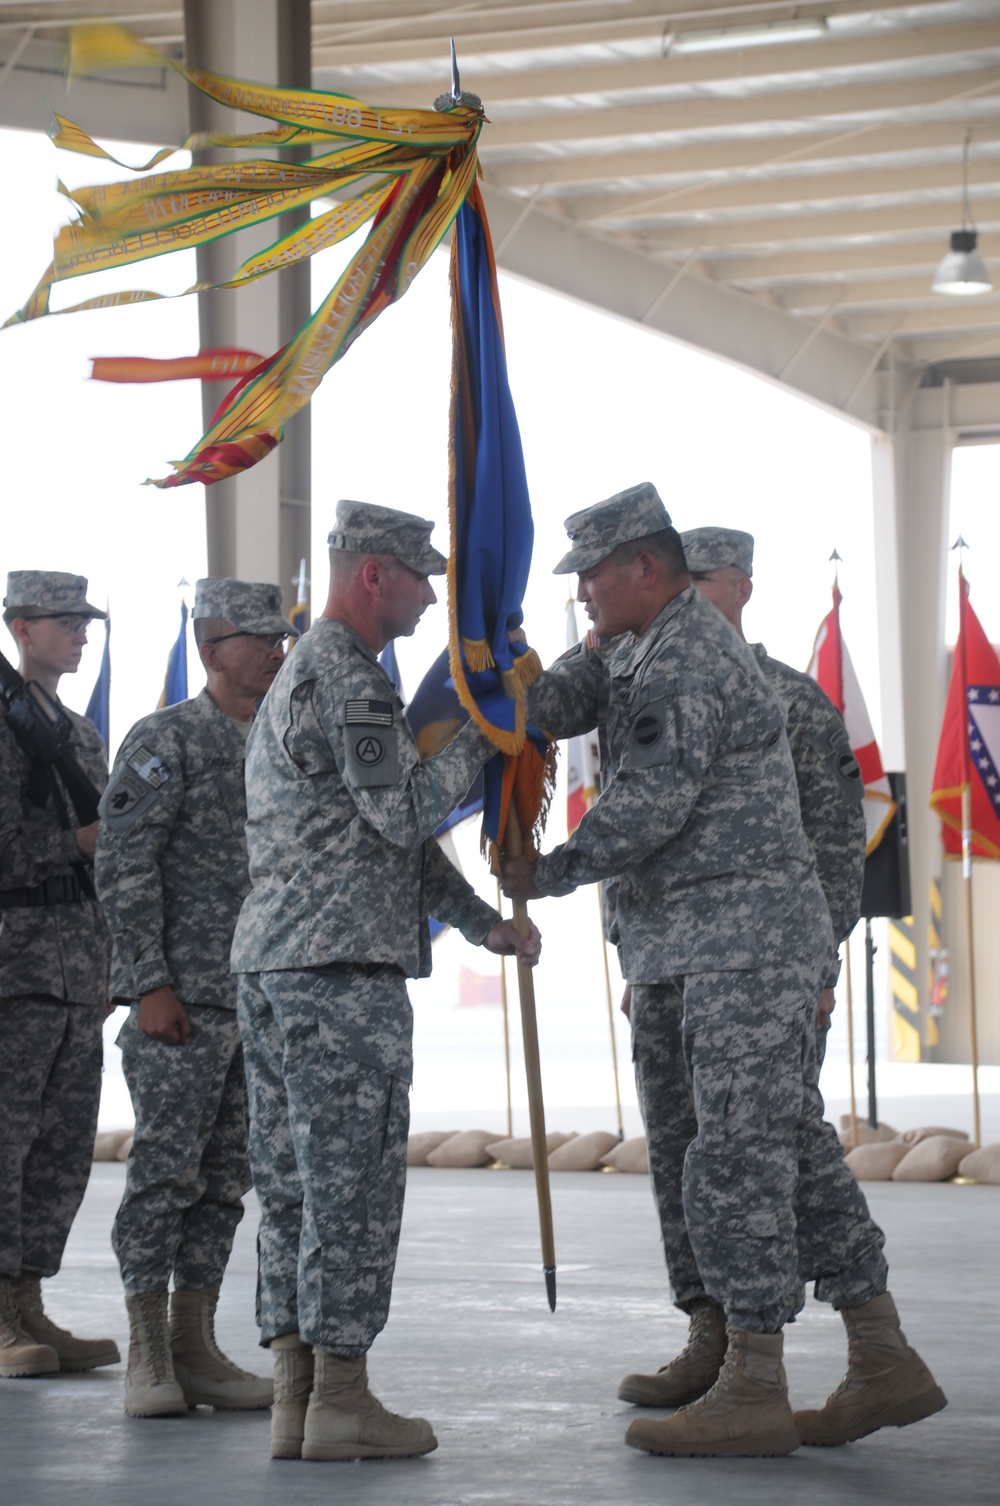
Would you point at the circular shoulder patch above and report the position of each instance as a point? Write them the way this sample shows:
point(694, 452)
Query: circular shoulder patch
point(369, 750)
point(647, 730)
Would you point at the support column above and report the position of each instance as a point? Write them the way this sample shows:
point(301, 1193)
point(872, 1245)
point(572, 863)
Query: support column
point(911, 476)
point(258, 524)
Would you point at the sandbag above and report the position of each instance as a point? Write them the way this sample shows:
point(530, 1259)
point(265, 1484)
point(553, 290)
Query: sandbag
point(932, 1160)
point(467, 1148)
point(583, 1152)
point(517, 1153)
point(629, 1155)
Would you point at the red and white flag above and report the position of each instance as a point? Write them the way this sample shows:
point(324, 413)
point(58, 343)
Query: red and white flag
point(583, 758)
point(968, 754)
point(831, 668)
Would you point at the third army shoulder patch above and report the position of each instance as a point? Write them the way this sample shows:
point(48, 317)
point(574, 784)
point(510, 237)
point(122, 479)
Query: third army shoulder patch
point(371, 742)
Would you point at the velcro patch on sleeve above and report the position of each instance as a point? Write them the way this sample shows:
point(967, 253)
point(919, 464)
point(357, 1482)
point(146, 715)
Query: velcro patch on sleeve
point(362, 713)
point(372, 756)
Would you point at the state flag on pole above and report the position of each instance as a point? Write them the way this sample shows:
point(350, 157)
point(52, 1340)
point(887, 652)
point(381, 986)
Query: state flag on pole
point(175, 684)
point(831, 668)
point(969, 750)
point(583, 758)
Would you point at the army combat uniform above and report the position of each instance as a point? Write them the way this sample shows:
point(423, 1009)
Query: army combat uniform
point(716, 883)
point(830, 793)
point(54, 953)
point(172, 874)
point(345, 873)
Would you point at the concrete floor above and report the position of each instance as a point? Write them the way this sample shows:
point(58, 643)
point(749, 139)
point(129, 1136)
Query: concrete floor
point(523, 1401)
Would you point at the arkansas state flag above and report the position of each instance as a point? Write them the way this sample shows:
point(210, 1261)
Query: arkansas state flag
point(833, 671)
point(583, 758)
point(969, 750)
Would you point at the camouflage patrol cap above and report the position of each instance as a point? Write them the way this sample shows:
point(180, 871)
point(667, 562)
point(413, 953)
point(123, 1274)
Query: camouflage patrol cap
point(48, 593)
point(364, 528)
point(251, 607)
point(597, 531)
point(708, 549)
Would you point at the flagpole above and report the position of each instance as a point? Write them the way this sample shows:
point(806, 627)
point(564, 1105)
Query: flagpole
point(970, 938)
point(850, 1041)
point(514, 848)
point(506, 1025)
point(611, 1014)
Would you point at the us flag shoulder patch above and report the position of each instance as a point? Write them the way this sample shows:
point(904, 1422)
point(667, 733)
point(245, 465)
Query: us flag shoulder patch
point(368, 713)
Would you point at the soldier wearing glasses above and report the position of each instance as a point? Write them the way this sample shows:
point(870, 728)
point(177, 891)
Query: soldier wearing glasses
point(53, 988)
point(172, 875)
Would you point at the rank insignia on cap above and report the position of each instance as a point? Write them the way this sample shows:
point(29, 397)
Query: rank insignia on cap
point(368, 713)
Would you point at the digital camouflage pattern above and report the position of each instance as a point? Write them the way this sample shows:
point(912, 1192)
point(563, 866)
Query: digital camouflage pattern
point(53, 986)
point(327, 1146)
point(831, 790)
point(341, 816)
point(51, 1056)
point(250, 606)
point(597, 531)
point(365, 528)
point(769, 1200)
point(171, 860)
point(667, 1102)
point(49, 591)
point(708, 549)
point(172, 874)
point(188, 1170)
point(699, 818)
point(698, 826)
point(54, 951)
point(345, 872)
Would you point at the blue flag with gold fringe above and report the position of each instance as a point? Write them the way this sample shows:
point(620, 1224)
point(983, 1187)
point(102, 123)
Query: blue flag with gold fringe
point(492, 535)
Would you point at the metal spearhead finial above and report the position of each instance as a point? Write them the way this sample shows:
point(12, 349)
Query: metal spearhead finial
point(300, 581)
point(837, 557)
point(961, 546)
point(458, 95)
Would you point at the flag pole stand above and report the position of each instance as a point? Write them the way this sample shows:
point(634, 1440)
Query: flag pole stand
point(506, 1026)
point(970, 938)
point(850, 1042)
point(611, 1016)
point(513, 848)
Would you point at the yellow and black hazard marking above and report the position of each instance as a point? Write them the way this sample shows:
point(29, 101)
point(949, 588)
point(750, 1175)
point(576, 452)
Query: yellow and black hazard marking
point(906, 1022)
point(905, 998)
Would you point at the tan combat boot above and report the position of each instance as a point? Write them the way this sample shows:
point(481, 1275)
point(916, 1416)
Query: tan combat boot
point(73, 1353)
point(746, 1411)
point(151, 1389)
point(205, 1375)
point(694, 1371)
point(887, 1384)
point(345, 1421)
point(293, 1380)
point(19, 1353)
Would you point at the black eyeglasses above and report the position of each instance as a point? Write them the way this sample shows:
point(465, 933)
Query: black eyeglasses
point(269, 640)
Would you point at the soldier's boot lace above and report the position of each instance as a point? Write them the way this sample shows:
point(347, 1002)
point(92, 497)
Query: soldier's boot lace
point(72, 1353)
point(745, 1412)
point(693, 1372)
point(151, 1389)
point(208, 1377)
point(345, 1421)
point(19, 1353)
point(887, 1384)
point(293, 1382)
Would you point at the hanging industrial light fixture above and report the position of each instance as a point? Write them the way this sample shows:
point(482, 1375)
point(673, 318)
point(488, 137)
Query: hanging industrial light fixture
point(962, 270)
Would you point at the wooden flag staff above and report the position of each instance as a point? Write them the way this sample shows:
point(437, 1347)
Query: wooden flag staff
point(973, 1028)
point(514, 848)
point(506, 1025)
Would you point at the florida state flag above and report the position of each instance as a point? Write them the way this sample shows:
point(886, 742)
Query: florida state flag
point(969, 750)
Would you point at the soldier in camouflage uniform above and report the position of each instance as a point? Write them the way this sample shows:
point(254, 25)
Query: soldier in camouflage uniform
point(53, 988)
point(699, 823)
point(172, 874)
point(720, 561)
point(345, 873)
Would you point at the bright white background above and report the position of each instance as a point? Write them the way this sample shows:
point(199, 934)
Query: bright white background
point(602, 405)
